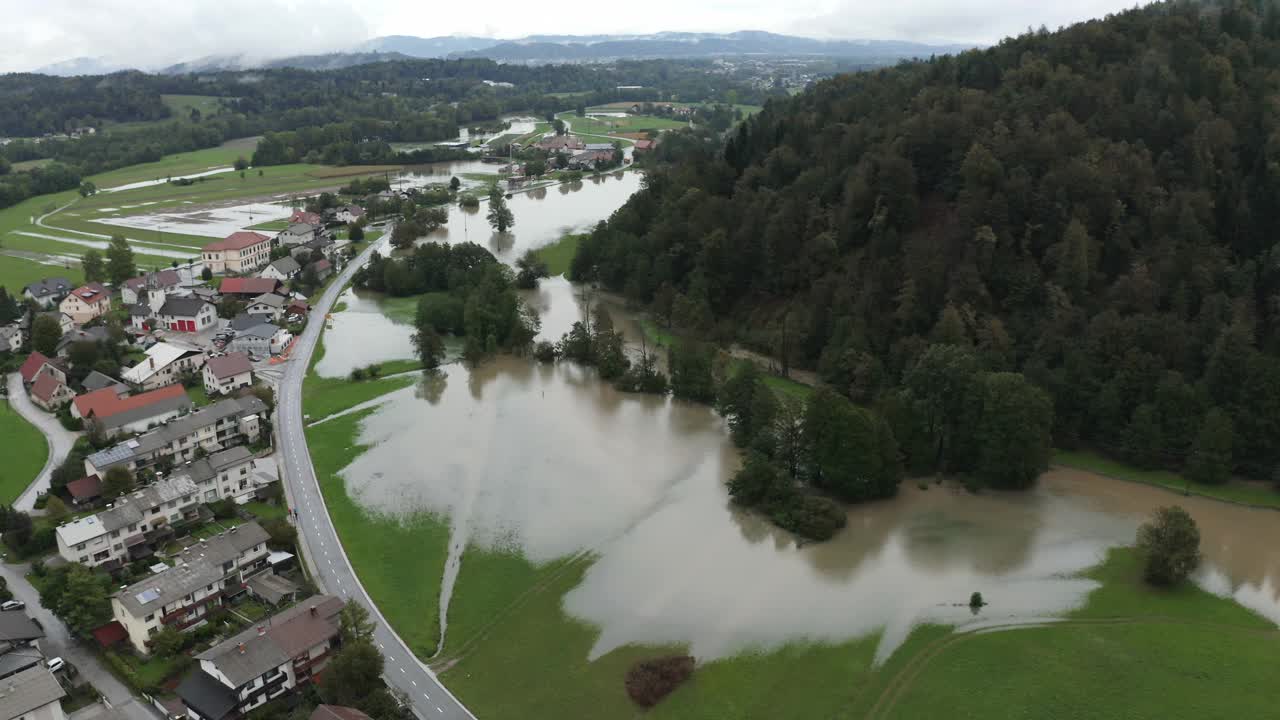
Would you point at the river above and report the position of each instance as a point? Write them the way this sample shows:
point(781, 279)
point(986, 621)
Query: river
point(548, 461)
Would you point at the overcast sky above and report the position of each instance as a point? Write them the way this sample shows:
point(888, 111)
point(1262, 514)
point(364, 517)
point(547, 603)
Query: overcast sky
point(150, 33)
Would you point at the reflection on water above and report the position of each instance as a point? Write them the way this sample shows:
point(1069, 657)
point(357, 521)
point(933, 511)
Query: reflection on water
point(361, 335)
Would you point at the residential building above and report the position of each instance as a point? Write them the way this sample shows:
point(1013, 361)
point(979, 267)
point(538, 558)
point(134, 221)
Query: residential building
point(38, 364)
point(186, 314)
point(114, 413)
point(97, 381)
point(85, 490)
point(600, 147)
point(297, 309)
point(322, 268)
point(224, 474)
point(203, 576)
point(283, 269)
point(349, 213)
point(268, 306)
point(98, 334)
point(557, 143)
point(20, 643)
point(324, 245)
point(239, 252)
point(297, 234)
point(64, 320)
point(281, 653)
point(165, 364)
point(135, 290)
point(248, 288)
point(125, 530)
point(33, 694)
point(644, 146)
point(261, 341)
point(48, 292)
point(224, 373)
point(11, 337)
point(221, 425)
point(86, 302)
point(304, 217)
point(49, 392)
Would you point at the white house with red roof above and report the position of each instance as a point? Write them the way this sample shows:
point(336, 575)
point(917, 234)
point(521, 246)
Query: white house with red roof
point(86, 302)
point(116, 413)
point(306, 218)
point(49, 391)
point(37, 364)
point(239, 252)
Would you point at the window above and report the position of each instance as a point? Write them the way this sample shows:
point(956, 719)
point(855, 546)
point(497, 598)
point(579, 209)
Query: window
point(115, 533)
point(151, 617)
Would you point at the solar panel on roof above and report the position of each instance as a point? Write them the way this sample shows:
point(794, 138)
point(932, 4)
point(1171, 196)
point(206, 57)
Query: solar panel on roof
point(147, 596)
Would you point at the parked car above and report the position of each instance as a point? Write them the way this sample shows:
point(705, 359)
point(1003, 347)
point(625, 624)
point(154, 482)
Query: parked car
point(55, 664)
point(8, 605)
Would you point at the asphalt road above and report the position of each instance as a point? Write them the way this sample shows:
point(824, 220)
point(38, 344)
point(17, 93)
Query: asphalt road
point(332, 570)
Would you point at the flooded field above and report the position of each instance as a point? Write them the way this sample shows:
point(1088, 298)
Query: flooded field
point(214, 221)
point(549, 462)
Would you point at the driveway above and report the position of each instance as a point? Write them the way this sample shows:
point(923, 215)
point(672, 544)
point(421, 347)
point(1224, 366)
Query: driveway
point(59, 643)
point(59, 438)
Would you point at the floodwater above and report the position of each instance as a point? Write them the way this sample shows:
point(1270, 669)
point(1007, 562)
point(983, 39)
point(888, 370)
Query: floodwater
point(542, 215)
point(548, 461)
point(211, 221)
point(161, 181)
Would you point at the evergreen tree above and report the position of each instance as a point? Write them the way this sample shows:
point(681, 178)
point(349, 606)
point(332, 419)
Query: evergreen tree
point(93, 267)
point(1210, 460)
point(120, 265)
point(500, 217)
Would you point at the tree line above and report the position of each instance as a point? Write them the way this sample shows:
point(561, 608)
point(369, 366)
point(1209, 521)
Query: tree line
point(1087, 213)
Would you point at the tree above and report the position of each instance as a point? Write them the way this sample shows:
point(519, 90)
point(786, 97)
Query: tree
point(848, 451)
point(46, 332)
point(355, 232)
point(454, 183)
point(500, 217)
point(1013, 435)
point(581, 110)
point(356, 624)
point(87, 188)
point(117, 482)
point(938, 387)
point(56, 510)
point(241, 165)
point(78, 595)
point(206, 274)
point(9, 308)
point(531, 268)
point(120, 264)
point(429, 346)
point(230, 306)
point(535, 168)
point(353, 674)
point(1210, 460)
point(692, 372)
point(1170, 543)
point(167, 643)
point(747, 404)
point(558, 126)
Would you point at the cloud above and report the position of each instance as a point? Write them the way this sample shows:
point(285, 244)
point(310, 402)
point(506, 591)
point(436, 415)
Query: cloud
point(150, 33)
point(982, 21)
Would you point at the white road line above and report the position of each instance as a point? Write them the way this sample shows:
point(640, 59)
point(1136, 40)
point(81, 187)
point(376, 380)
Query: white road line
point(438, 709)
point(415, 683)
point(401, 669)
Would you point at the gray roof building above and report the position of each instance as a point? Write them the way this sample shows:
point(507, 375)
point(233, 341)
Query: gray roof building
point(97, 381)
point(286, 266)
point(178, 403)
point(49, 288)
point(182, 306)
point(174, 431)
point(28, 690)
point(271, 300)
point(245, 656)
point(16, 627)
point(95, 334)
point(243, 322)
point(205, 695)
point(197, 567)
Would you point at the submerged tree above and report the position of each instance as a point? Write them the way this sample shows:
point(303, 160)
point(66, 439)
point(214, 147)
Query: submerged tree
point(499, 216)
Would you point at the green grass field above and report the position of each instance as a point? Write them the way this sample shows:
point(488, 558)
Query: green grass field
point(266, 511)
point(559, 255)
point(24, 456)
point(1246, 493)
point(30, 164)
point(181, 105)
point(612, 125)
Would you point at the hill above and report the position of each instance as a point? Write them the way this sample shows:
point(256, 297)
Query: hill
point(1093, 208)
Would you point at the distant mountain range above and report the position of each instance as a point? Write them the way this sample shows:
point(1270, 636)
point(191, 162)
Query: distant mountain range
point(546, 49)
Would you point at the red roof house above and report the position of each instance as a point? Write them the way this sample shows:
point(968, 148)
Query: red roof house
point(237, 241)
point(302, 216)
point(32, 365)
point(48, 392)
point(85, 489)
point(105, 403)
point(249, 286)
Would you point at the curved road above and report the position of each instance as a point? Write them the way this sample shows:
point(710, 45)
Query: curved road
point(331, 568)
point(58, 438)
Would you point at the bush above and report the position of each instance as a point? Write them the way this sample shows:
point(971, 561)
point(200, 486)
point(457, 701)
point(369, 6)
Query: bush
point(545, 352)
point(810, 516)
point(223, 509)
point(1170, 542)
point(649, 681)
point(976, 601)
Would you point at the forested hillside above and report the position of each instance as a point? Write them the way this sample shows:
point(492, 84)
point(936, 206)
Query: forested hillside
point(1094, 208)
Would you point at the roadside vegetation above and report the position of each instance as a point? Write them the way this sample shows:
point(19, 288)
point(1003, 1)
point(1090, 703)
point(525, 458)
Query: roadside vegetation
point(25, 453)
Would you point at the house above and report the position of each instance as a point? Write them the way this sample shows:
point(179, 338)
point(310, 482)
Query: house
point(261, 341)
point(599, 147)
point(558, 143)
point(304, 217)
point(33, 694)
point(283, 269)
point(324, 245)
point(349, 213)
point(280, 654)
point(322, 268)
point(239, 252)
point(86, 302)
point(20, 643)
point(643, 146)
point(247, 288)
point(125, 530)
point(207, 294)
point(202, 577)
point(48, 291)
point(224, 474)
point(297, 234)
point(115, 414)
point(297, 309)
point(135, 290)
point(223, 424)
point(268, 306)
point(38, 364)
point(97, 381)
point(164, 364)
point(65, 324)
point(243, 322)
point(224, 373)
point(85, 490)
point(11, 338)
point(49, 393)
point(98, 334)
point(186, 314)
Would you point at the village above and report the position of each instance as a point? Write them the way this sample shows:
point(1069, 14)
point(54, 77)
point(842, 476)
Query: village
point(167, 512)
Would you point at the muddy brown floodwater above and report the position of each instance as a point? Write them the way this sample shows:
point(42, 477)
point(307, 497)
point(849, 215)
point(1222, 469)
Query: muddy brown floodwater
point(548, 461)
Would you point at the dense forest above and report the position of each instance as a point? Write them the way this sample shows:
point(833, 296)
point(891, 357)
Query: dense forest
point(1089, 212)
